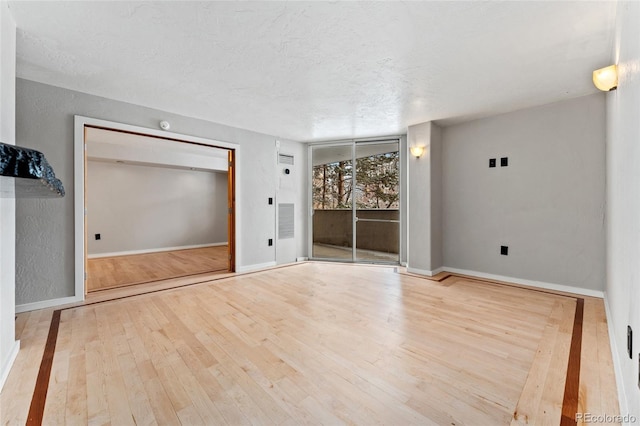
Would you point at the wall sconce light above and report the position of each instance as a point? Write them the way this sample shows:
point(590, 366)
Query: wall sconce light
point(606, 78)
point(417, 151)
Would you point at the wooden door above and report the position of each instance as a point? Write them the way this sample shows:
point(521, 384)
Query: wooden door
point(86, 229)
point(231, 196)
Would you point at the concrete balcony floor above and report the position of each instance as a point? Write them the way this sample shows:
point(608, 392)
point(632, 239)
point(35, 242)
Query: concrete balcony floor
point(327, 251)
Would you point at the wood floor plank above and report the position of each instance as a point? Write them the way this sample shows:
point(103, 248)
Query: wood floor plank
point(589, 397)
point(55, 408)
point(97, 406)
point(36, 410)
point(121, 271)
point(597, 390)
point(110, 337)
point(317, 344)
point(75, 410)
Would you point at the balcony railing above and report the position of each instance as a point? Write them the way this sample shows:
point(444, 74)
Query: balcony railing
point(334, 227)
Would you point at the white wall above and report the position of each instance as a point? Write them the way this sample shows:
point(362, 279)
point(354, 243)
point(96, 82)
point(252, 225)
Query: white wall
point(8, 346)
point(623, 204)
point(45, 228)
point(135, 207)
point(292, 189)
point(547, 206)
point(105, 144)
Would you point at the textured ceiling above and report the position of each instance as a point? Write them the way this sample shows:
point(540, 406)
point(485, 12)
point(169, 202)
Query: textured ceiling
point(318, 70)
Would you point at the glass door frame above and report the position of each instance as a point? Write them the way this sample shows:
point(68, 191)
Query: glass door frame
point(354, 219)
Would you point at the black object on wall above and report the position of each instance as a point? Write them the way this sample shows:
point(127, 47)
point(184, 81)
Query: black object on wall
point(504, 250)
point(32, 173)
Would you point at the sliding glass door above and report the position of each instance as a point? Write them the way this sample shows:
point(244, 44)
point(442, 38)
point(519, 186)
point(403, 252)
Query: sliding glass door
point(332, 187)
point(356, 201)
point(377, 201)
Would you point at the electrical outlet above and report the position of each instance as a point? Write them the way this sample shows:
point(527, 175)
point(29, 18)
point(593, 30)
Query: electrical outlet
point(630, 341)
point(270, 242)
point(504, 161)
point(270, 200)
point(97, 237)
point(492, 162)
point(504, 250)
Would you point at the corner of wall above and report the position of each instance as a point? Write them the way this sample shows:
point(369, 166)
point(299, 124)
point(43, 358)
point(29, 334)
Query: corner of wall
point(403, 199)
point(8, 345)
point(424, 197)
point(5, 368)
point(615, 354)
point(435, 156)
point(622, 228)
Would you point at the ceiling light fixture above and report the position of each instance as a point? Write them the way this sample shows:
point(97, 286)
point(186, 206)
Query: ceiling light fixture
point(606, 79)
point(417, 151)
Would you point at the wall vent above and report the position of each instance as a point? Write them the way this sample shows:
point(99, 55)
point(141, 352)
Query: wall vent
point(285, 159)
point(286, 214)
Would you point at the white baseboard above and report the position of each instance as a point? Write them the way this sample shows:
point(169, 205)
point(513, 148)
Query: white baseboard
point(6, 368)
point(615, 354)
point(154, 250)
point(531, 283)
point(255, 267)
point(47, 304)
point(301, 259)
point(424, 271)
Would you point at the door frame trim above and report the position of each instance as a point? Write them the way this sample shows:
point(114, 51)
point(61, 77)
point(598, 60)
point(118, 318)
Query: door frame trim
point(80, 122)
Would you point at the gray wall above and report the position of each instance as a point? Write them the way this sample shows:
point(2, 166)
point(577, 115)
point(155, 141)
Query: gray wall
point(435, 158)
point(45, 231)
point(547, 205)
point(623, 204)
point(136, 207)
point(8, 347)
point(404, 190)
point(424, 198)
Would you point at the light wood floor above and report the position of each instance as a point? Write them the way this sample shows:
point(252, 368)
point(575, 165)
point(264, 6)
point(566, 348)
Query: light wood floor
point(316, 344)
point(111, 272)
